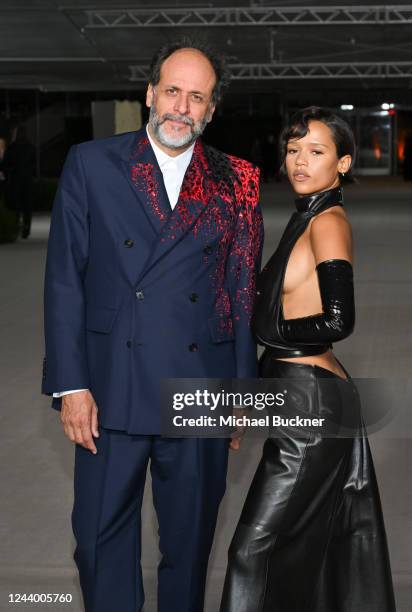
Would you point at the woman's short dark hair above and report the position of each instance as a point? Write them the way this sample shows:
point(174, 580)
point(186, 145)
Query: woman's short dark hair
point(217, 61)
point(298, 126)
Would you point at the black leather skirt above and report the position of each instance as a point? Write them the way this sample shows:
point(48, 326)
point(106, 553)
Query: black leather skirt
point(311, 536)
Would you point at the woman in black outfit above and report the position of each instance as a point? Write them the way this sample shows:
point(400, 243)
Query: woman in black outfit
point(311, 536)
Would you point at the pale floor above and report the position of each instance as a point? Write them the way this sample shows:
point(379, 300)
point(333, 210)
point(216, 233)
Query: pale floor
point(36, 460)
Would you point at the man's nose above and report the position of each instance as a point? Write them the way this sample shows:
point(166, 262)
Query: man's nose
point(181, 105)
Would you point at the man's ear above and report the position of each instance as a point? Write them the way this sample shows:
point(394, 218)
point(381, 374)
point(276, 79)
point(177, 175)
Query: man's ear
point(210, 112)
point(149, 95)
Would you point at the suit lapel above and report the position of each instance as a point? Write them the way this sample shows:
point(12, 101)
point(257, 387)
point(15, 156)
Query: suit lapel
point(145, 177)
point(194, 196)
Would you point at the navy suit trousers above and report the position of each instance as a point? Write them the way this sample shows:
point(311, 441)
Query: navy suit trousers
point(188, 479)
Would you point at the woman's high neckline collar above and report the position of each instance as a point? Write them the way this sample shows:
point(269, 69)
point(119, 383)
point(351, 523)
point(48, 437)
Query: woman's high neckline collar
point(322, 199)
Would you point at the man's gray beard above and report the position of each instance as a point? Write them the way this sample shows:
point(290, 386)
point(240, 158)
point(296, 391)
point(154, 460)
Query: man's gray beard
point(177, 142)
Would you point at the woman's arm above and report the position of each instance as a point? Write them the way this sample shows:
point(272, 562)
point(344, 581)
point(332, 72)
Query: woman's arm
point(331, 243)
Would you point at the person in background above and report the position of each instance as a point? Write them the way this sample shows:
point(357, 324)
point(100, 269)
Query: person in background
point(19, 166)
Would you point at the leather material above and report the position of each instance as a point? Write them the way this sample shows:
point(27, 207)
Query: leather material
point(267, 317)
point(311, 535)
point(283, 351)
point(337, 320)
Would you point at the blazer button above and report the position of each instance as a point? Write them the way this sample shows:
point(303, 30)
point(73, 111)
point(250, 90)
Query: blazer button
point(128, 243)
point(193, 347)
point(140, 295)
point(129, 343)
point(193, 297)
point(207, 250)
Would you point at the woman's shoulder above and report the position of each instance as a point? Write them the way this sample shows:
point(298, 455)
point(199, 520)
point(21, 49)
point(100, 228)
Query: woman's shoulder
point(332, 219)
point(331, 234)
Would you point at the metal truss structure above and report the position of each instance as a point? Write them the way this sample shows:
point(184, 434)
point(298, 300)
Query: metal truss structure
point(305, 70)
point(247, 16)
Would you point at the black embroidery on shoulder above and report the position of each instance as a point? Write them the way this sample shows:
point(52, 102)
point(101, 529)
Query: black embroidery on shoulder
point(221, 169)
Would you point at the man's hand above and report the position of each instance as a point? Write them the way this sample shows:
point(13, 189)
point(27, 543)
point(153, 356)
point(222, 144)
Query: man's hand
point(235, 443)
point(237, 435)
point(79, 418)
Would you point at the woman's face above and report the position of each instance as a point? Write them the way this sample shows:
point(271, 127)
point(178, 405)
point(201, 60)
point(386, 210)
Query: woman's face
point(312, 162)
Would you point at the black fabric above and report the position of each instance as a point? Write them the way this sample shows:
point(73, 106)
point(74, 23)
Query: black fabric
point(20, 160)
point(19, 166)
point(311, 536)
point(337, 320)
point(19, 198)
point(266, 320)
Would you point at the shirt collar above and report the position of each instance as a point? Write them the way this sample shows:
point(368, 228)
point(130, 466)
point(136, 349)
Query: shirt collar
point(182, 160)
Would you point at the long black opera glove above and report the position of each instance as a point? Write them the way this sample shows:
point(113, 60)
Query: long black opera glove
point(338, 318)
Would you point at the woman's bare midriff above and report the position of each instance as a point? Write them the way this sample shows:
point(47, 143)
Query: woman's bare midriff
point(301, 297)
point(324, 360)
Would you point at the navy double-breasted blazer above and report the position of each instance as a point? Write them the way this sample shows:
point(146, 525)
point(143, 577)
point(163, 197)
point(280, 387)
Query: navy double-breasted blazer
point(136, 292)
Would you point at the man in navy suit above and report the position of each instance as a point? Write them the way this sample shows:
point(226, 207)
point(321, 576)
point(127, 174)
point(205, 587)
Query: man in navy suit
point(154, 246)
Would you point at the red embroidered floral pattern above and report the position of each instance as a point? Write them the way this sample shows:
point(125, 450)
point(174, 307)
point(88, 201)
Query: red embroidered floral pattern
point(219, 197)
point(144, 179)
point(246, 247)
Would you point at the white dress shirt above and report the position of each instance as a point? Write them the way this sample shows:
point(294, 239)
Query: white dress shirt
point(173, 170)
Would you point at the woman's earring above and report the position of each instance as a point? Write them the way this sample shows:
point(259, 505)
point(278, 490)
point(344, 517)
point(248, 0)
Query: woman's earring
point(342, 174)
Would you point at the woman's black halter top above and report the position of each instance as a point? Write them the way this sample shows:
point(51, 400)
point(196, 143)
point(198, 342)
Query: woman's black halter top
point(268, 306)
